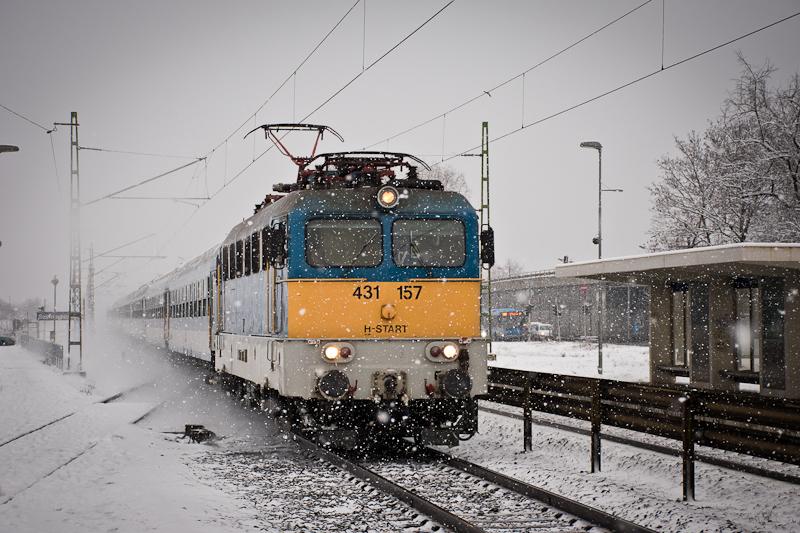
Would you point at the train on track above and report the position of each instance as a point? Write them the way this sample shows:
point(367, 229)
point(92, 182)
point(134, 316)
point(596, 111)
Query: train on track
point(347, 304)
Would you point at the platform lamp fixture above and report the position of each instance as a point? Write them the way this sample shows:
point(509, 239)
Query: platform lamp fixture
point(599, 242)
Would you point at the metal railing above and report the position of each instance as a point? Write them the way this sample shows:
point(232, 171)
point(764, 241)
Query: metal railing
point(54, 353)
point(733, 421)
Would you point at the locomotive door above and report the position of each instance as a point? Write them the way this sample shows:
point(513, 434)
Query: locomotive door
point(165, 311)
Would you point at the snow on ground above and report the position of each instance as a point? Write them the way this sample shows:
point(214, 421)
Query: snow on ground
point(620, 362)
point(95, 471)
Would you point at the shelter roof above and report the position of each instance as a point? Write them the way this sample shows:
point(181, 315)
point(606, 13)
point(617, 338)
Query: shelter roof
point(694, 264)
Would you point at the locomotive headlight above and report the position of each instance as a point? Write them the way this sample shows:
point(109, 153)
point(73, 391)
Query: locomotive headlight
point(331, 352)
point(388, 197)
point(450, 351)
point(441, 351)
point(338, 352)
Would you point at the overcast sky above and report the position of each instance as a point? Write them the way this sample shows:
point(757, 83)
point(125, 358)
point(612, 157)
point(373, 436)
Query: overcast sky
point(185, 78)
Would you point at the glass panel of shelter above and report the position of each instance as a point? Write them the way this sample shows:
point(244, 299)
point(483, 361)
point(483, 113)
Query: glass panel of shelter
point(759, 319)
point(690, 331)
point(748, 333)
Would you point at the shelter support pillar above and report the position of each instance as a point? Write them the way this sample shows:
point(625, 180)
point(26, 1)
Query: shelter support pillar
point(660, 333)
point(792, 335)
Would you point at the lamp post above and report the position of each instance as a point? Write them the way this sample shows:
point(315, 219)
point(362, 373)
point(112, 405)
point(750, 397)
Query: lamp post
point(54, 281)
point(599, 242)
point(599, 239)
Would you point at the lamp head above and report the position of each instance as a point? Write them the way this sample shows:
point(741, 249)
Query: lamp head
point(592, 144)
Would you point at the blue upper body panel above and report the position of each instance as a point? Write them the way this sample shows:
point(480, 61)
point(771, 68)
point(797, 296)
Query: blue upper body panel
point(361, 202)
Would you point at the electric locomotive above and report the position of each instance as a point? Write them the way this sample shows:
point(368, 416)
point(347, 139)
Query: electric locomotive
point(349, 303)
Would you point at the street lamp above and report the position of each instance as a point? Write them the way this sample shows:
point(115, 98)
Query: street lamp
point(54, 281)
point(599, 242)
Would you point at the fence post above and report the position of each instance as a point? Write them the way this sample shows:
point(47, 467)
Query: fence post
point(596, 418)
point(527, 407)
point(688, 448)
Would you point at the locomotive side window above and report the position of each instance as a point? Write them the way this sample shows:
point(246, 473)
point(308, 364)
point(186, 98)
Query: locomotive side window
point(248, 253)
point(239, 259)
point(223, 264)
point(344, 242)
point(255, 256)
point(426, 243)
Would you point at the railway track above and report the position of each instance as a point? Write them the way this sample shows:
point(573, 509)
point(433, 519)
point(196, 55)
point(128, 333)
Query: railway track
point(55, 450)
point(109, 399)
point(467, 498)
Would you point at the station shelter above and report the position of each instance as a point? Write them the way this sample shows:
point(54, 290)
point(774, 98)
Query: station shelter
point(720, 316)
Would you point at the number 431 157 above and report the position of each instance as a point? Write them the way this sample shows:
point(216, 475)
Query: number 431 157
point(369, 292)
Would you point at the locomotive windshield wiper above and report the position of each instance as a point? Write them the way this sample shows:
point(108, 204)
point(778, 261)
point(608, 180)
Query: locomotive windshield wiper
point(361, 251)
point(415, 251)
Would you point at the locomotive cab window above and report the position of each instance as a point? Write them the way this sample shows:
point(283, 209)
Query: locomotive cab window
point(344, 242)
point(428, 242)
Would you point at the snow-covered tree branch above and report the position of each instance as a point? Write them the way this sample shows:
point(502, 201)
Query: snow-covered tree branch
point(740, 180)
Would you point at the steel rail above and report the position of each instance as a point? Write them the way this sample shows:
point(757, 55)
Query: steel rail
point(562, 503)
point(723, 463)
point(117, 396)
point(422, 505)
point(105, 400)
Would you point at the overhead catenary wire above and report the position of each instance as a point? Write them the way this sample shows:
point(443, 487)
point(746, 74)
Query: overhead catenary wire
point(120, 247)
point(282, 85)
point(392, 49)
point(488, 93)
point(25, 118)
point(619, 88)
point(143, 182)
point(258, 157)
point(52, 147)
point(136, 153)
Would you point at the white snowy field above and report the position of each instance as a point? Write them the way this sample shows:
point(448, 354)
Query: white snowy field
point(620, 362)
point(95, 471)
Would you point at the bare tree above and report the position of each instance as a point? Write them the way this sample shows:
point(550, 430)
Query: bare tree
point(452, 179)
point(511, 268)
point(768, 128)
point(739, 181)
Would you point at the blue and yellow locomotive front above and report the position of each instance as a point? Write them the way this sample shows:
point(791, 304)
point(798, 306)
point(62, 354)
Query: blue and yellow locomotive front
point(371, 313)
point(385, 305)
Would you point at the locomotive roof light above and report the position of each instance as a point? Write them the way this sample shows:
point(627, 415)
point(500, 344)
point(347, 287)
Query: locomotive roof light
point(388, 197)
point(338, 352)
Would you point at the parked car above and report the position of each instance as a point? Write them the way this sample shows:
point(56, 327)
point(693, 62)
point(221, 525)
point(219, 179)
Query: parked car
point(539, 331)
point(7, 341)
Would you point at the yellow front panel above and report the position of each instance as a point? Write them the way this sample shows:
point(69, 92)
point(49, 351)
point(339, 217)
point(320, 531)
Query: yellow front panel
point(352, 309)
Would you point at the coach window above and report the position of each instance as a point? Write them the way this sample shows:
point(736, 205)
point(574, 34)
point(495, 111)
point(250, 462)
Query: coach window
point(426, 242)
point(255, 257)
point(344, 242)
